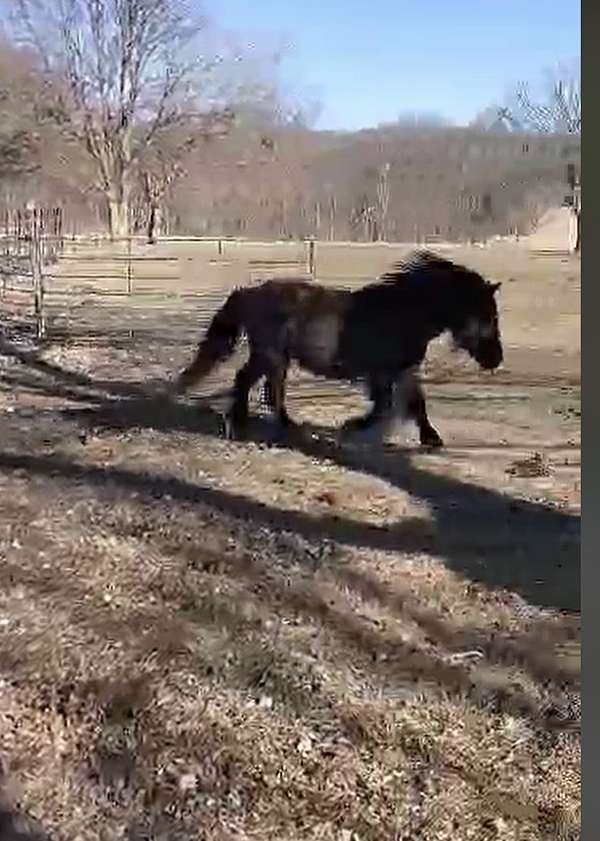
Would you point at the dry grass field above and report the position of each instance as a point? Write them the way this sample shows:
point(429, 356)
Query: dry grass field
point(279, 639)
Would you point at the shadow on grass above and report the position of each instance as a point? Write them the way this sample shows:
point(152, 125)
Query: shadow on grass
point(402, 663)
point(64, 382)
point(15, 826)
point(167, 628)
point(168, 631)
point(520, 545)
point(491, 538)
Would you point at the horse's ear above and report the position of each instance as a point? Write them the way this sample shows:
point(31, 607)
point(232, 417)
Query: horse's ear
point(495, 287)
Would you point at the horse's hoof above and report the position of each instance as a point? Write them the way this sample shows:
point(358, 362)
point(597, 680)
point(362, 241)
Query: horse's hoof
point(167, 392)
point(360, 434)
point(432, 442)
point(175, 388)
point(349, 429)
point(293, 431)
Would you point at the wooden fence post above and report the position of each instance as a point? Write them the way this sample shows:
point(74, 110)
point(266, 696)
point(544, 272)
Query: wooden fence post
point(37, 270)
point(311, 263)
point(129, 268)
point(19, 233)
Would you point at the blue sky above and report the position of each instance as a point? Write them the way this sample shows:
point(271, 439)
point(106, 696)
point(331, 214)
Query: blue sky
point(367, 62)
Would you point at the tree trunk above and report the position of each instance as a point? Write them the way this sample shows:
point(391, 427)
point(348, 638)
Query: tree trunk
point(118, 217)
point(332, 212)
point(152, 224)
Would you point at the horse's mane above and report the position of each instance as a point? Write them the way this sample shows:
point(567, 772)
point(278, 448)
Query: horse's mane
point(423, 266)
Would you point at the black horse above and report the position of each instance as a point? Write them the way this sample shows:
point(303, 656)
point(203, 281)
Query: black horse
point(377, 334)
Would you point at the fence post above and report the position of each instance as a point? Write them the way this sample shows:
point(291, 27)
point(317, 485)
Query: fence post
point(19, 247)
point(37, 271)
point(311, 264)
point(220, 247)
point(129, 268)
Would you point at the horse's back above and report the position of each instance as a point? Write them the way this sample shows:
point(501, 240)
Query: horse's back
point(294, 298)
point(300, 318)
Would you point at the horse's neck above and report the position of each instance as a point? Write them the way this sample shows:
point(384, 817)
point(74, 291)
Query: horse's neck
point(440, 303)
point(426, 308)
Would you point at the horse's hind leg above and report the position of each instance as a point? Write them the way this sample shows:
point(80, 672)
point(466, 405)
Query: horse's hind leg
point(275, 393)
point(245, 379)
point(380, 392)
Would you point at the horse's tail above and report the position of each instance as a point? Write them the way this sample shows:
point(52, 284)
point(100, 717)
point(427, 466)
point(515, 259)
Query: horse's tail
point(217, 345)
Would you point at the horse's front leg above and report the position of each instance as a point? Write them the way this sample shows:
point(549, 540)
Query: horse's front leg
point(381, 395)
point(248, 375)
point(416, 410)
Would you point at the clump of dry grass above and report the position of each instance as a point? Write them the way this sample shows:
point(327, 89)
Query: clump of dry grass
point(534, 465)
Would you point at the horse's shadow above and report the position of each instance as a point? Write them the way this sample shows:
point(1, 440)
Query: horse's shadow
point(528, 547)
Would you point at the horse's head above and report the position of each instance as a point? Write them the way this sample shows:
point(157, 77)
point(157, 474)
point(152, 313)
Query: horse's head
point(455, 298)
point(475, 328)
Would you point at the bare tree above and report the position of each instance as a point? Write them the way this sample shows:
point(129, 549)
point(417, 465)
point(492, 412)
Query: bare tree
point(163, 162)
point(156, 178)
point(497, 119)
point(332, 215)
point(383, 199)
point(558, 110)
point(19, 137)
point(128, 79)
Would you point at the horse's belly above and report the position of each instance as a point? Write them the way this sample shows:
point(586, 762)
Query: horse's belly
point(316, 344)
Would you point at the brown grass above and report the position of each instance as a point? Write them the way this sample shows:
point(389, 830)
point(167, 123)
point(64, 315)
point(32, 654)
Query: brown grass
point(201, 640)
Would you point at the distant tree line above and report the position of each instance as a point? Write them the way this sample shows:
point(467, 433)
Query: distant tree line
point(107, 110)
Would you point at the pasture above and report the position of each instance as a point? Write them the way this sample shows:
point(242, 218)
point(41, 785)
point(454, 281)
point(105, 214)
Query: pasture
point(202, 639)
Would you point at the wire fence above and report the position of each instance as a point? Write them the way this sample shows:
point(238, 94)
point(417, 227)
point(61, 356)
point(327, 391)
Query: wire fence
point(118, 290)
point(135, 311)
point(40, 265)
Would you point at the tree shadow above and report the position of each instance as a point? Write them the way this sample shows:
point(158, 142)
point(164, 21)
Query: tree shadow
point(535, 650)
point(64, 381)
point(528, 547)
point(408, 534)
point(132, 398)
point(16, 826)
point(392, 659)
point(164, 628)
point(496, 540)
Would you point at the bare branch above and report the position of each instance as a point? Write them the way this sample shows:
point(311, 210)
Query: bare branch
point(127, 72)
point(559, 111)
